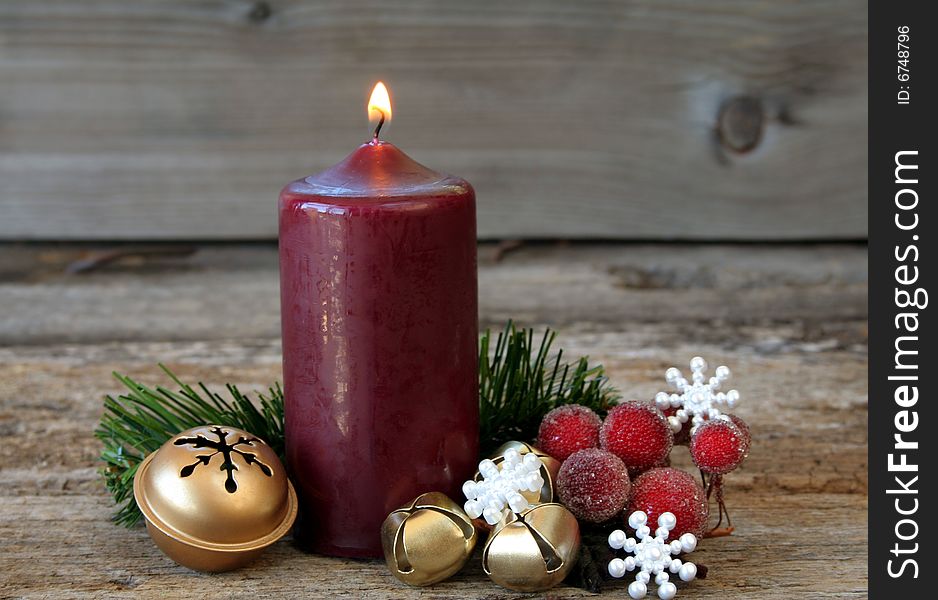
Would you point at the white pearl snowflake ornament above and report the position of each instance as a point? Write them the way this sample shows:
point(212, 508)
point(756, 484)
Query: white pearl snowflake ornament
point(652, 555)
point(502, 487)
point(697, 401)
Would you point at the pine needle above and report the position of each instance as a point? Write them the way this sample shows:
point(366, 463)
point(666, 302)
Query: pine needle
point(518, 384)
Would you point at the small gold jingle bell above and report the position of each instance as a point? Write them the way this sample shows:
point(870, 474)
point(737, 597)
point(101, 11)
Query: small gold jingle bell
point(214, 497)
point(427, 540)
point(532, 551)
point(548, 471)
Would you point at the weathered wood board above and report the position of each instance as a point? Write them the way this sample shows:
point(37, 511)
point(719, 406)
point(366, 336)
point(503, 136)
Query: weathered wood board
point(789, 321)
point(168, 119)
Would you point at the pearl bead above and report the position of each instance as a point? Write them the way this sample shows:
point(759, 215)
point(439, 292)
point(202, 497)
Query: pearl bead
point(617, 539)
point(473, 508)
point(698, 364)
point(722, 372)
point(643, 531)
point(492, 515)
point(667, 520)
point(469, 489)
point(675, 565)
point(661, 577)
point(662, 532)
point(687, 571)
point(643, 577)
point(488, 469)
point(672, 374)
point(667, 590)
point(676, 547)
point(617, 567)
point(662, 400)
point(517, 502)
point(688, 542)
point(675, 424)
point(629, 545)
point(532, 461)
point(732, 397)
point(637, 590)
point(629, 563)
point(637, 519)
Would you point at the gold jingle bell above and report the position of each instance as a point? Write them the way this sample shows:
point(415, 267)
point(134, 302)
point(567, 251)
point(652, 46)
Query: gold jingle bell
point(548, 471)
point(214, 497)
point(532, 551)
point(427, 540)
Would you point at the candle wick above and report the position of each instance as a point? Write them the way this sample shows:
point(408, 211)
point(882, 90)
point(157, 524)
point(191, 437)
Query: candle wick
point(378, 127)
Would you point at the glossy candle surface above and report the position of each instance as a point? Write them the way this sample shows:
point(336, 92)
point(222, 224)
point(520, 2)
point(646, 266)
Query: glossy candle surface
point(379, 318)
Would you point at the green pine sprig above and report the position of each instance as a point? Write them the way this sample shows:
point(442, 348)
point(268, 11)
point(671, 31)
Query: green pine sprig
point(519, 382)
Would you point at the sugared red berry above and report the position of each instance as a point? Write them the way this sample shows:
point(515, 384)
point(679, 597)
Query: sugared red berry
point(638, 434)
point(743, 429)
point(718, 446)
point(567, 429)
point(670, 490)
point(593, 484)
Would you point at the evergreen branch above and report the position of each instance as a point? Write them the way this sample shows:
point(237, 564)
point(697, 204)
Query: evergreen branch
point(518, 384)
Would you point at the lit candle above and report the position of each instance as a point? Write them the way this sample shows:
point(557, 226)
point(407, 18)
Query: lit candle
point(379, 318)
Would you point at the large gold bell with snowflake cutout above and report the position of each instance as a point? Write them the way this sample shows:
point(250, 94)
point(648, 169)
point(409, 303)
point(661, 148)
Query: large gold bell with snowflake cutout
point(214, 497)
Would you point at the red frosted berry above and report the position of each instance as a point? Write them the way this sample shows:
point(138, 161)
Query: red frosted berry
point(567, 429)
point(744, 430)
point(593, 484)
point(718, 446)
point(637, 433)
point(663, 490)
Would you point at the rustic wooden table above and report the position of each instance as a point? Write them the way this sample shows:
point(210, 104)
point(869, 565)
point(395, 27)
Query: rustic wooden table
point(790, 321)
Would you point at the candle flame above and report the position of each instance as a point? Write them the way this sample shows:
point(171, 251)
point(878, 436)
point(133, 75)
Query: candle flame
point(379, 107)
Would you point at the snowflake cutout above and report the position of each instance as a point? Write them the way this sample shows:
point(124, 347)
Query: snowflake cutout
point(501, 487)
point(652, 555)
point(227, 451)
point(697, 401)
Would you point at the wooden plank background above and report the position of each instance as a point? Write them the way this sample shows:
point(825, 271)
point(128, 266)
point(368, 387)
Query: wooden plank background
point(644, 119)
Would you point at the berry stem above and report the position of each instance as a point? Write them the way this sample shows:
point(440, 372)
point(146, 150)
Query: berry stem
point(716, 485)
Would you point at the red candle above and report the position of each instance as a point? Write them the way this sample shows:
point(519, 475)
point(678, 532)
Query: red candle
point(379, 319)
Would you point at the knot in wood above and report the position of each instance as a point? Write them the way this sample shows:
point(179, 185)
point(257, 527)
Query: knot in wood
point(740, 123)
point(260, 12)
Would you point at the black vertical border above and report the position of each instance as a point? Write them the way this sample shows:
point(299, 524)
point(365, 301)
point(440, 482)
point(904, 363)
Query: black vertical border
point(895, 127)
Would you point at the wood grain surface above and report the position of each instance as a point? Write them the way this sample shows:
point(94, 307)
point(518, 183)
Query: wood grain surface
point(790, 322)
point(172, 119)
